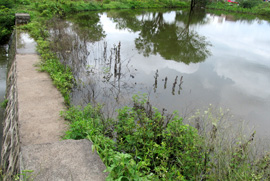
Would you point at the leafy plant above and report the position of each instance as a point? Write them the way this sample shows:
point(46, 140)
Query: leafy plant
point(248, 3)
point(7, 19)
point(61, 74)
point(229, 154)
point(24, 176)
point(4, 103)
point(148, 143)
point(168, 145)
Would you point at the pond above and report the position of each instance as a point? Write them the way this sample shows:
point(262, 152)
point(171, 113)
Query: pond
point(183, 61)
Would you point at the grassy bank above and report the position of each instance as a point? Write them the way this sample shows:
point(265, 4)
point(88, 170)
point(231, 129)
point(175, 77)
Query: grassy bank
point(257, 7)
point(48, 8)
point(143, 143)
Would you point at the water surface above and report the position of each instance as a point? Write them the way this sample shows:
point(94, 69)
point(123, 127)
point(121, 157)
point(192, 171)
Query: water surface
point(182, 61)
point(3, 72)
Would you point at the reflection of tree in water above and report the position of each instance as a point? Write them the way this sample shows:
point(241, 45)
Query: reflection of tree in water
point(88, 26)
point(67, 44)
point(126, 19)
point(99, 71)
point(173, 41)
point(72, 38)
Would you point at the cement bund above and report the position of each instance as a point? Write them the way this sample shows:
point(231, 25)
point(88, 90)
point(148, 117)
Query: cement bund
point(33, 131)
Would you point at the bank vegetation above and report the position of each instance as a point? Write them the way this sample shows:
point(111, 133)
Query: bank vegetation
point(48, 8)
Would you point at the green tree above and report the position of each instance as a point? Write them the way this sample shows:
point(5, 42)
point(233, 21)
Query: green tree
point(7, 19)
point(198, 3)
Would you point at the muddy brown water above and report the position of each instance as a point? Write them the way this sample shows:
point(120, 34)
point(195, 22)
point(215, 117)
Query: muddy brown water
point(182, 61)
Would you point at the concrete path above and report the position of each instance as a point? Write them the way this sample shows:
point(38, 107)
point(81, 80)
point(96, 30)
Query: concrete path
point(41, 127)
point(68, 160)
point(39, 104)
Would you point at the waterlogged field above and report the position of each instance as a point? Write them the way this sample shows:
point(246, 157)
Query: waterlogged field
point(183, 61)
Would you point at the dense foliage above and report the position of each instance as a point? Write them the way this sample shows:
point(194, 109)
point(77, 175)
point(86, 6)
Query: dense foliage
point(143, 143)
point(148, 144)
point(243, 6)
point(6, 20)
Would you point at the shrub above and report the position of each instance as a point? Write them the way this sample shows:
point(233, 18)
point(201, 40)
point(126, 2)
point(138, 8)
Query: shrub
point(7, 3)
point(4, 104)
point(7, 19)
point(147, 144)
point(162, 141)
point(263, 9)
point(248, 3)
point(229, 154)
point(23, 2)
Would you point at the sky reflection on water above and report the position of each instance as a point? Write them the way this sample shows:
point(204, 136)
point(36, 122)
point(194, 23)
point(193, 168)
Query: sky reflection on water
point(223, 61)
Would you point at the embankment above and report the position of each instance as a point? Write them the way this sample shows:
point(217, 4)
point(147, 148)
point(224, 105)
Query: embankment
point(33, 128)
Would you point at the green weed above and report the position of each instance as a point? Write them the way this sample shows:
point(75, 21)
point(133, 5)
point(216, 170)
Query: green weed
point(24, 176)
point(4, 104)
point(245, 6)
point(61, 74)
point(7, 19)
point(229, 154)
point(143, 143)
point(122, 159)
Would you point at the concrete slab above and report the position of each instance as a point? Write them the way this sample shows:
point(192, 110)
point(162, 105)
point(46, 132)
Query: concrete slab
point(67, 160)
point(22, 18)
point(39, 104)
point(41, 127)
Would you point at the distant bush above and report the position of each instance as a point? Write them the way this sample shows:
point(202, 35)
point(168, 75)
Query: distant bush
point(263, 8)
point(248, 3)
point(7, 19)
point(256, 7)
point(6, 3)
